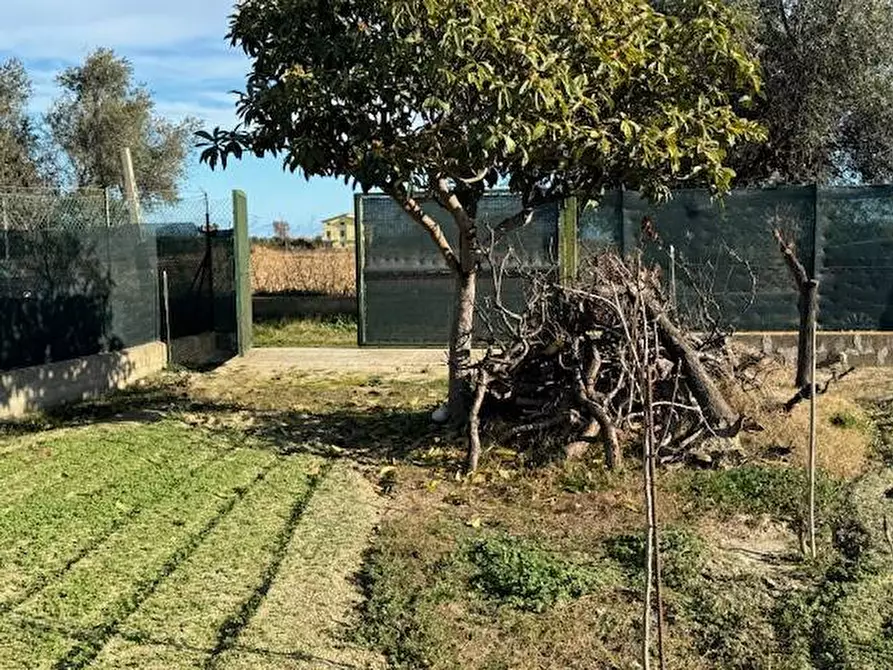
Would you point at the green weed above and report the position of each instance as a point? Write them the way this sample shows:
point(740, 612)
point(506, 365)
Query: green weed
point(845, 420)
point(583, 478)
point(681, 555)
point(775, 491)
point(520, 573)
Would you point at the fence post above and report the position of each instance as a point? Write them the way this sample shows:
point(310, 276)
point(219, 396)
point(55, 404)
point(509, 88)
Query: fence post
point(814, 270)
point(5, 229)
point(567, 240)
point(360, 243)
point(627, 238)
point(242, 255)
point(130, 189)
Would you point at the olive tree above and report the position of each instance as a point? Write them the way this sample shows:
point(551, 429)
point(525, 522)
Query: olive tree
point(21, 161)
point(826, 92)
point(100, 112)
point(448, 97)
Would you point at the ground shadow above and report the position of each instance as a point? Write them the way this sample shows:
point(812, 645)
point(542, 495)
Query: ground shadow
point(375, 435)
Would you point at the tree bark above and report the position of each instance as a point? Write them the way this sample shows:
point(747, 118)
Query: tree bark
point(808, 306)
point(474, 424)
point(462, 331)
point(461, 334)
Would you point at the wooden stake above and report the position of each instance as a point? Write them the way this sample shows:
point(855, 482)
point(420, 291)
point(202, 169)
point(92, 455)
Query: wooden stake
point(130, 190)
point(812, 439)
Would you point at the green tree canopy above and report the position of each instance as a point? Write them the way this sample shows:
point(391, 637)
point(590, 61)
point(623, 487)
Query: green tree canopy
point(19, 142)
point(449, 96)
point(100, 112)
point(568, 92)
point(827, 69)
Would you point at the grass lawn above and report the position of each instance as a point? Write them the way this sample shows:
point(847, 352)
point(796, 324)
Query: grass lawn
point(338, 331)
point(246, 519)
point(166, 545)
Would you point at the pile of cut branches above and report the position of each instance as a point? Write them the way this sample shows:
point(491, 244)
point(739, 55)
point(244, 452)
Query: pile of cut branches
point(572, 366)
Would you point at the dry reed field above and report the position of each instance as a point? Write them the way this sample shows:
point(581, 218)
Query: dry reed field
point(325, 271)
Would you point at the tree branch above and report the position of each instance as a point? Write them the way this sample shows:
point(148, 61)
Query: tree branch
point(798, 272)
point(450, 201)
point(414, 209)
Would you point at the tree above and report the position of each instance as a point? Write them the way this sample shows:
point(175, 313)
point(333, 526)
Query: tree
point(100, 112)
point(19, 142)
point(827, 91)
point(448, 97)
point(281, 232)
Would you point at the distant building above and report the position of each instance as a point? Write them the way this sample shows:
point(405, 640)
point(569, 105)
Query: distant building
point(339, 231)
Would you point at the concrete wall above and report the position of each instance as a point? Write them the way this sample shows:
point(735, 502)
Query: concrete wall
point(272, 307)
point(859, 348)
point(204, 349)
point(44, 386)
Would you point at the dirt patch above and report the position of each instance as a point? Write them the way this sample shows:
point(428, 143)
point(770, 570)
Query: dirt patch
point(402, 363)
point(746, 546)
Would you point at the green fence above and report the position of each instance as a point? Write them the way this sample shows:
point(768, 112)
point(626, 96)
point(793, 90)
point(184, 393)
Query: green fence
point(726, 264)
point(77, 278)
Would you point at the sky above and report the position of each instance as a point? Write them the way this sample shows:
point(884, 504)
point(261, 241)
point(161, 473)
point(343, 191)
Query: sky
point(179, 52)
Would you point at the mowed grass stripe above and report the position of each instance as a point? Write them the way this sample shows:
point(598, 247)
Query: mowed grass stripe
point(192, 605)
point(102, 587)
point(34, 648)
point(92, 644)
point(313, 596)
point(119, 654)
point(54, 456)
point(39, 540)
point(85, 459)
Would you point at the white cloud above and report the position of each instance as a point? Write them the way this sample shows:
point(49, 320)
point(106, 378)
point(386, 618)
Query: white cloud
point(37, 27)
point(177, 48)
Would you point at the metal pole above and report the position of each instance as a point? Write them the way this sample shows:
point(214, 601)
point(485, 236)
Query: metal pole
point(5, 230)
point(673, 277)
point(210, 253)
point(167, 313)
point(108, 207)
point(812, 440)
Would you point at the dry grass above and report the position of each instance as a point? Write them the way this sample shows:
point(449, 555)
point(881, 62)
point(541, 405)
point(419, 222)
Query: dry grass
point(320, 271)
point(844, 432)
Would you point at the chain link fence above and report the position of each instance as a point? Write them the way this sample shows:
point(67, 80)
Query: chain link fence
point(79, 277)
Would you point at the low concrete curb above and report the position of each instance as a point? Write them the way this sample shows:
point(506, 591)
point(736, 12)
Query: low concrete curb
point(45, 386)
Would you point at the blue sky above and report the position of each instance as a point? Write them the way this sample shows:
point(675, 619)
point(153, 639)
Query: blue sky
point(178, 51)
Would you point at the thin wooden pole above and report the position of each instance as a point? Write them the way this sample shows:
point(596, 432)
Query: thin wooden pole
point(130, 189)
point(813, 447)
point(655, 521)
point(649, 540)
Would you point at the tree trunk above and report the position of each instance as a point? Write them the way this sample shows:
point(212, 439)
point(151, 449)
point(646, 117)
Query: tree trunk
point(461, 334)
point(474, 424)
point(808, 306)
